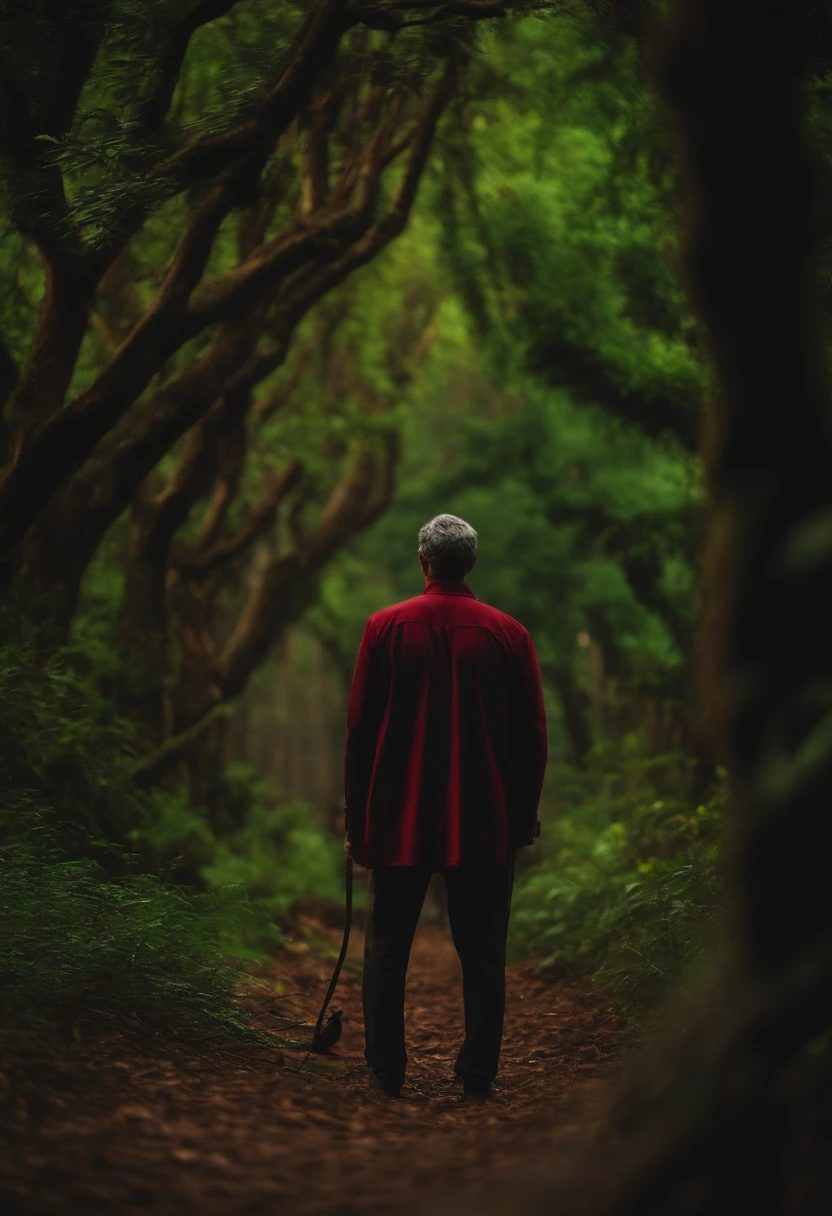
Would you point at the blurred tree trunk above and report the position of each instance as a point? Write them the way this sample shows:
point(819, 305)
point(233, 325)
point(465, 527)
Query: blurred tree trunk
point(575, 705)
point(704, 1130)
point(597, 685)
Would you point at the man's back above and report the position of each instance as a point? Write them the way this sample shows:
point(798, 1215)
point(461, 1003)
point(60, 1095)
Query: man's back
point(446, 742)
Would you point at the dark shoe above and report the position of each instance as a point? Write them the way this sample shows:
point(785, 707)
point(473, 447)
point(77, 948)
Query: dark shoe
point(476, 1091)
point(384, 1086)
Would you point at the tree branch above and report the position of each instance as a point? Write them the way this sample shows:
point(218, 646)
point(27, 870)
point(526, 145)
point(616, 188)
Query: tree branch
point(131, 451)
point(300, 296)
point(158, 92)
point(219, 297)
point(148, 770)
point(48, 453)
point(321, 240)
point(285, 586)
point(319, 125)
point(313, 50)
point(387, 18)
point(39, 94)
point(266, 407)
point(198, 563)
point(231, 458)
point(199, 463)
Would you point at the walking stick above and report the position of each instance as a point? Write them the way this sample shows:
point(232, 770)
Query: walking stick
point(324, 1038)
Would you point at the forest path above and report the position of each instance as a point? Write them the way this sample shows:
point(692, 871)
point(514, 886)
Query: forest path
point(180, 1129)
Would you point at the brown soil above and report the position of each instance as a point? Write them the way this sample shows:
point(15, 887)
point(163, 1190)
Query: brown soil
point(120, 1127)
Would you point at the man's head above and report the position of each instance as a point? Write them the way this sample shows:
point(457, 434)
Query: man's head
point(447, 548)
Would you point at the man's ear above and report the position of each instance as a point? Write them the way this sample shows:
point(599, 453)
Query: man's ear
point(473, 562)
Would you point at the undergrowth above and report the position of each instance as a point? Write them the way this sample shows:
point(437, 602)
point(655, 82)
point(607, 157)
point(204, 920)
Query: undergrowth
point(276, 852)
point(79, 947)
point(627, 885)
point(95, 924)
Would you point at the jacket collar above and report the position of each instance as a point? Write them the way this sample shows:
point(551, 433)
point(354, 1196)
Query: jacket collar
point(447, 586)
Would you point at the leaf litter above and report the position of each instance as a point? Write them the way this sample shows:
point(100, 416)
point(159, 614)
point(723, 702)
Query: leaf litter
point(124, 1125)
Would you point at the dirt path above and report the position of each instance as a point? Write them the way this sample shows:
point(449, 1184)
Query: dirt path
point(186, 1131)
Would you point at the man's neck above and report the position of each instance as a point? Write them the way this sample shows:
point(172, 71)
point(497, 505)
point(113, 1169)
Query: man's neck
point(437, 578)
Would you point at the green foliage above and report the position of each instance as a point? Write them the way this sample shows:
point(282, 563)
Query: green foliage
point(88, 932)
point(86, 935)
point(279, 855)
point(557, 213)
point(63, 751)
point(273, 855)
point(628, 888)
point(78, 946)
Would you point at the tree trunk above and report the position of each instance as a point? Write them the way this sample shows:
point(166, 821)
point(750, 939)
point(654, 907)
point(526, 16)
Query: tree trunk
point(142, 636)
point(575, 703)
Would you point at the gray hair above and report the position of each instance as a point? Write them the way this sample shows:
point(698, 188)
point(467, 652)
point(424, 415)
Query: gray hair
point(448, 543)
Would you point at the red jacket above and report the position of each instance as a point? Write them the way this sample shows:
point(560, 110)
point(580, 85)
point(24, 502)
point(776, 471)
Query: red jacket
point(446, 734)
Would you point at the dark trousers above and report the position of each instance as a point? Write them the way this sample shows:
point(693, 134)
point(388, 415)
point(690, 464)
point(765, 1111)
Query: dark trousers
point(478, 908)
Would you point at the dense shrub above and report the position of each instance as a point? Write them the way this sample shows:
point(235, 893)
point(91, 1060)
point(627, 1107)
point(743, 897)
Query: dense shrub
point(63, 750)
point(279, 854)
point(276, 855)
point(78, 946)
point(626, 888)
point(94, 923)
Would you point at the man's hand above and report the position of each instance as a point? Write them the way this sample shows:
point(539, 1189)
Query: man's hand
point(525, 844)
point(348, 853)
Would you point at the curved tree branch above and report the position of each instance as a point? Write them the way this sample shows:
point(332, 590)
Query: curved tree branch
point(200, 562)
point(283, 587)
point(170, 54)
point(313, 50)
point(147, 771)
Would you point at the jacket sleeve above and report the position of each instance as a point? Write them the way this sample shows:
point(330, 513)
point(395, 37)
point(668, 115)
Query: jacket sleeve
point(365, 714)
point(529, 748)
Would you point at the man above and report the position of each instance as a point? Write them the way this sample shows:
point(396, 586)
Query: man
point(445, 755)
